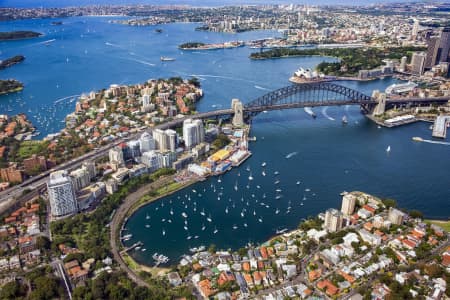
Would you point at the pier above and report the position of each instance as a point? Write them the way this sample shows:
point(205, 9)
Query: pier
point(137, 244)
point(440, 127)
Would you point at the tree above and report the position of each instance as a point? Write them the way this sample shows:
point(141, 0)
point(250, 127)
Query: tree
point(12, 290)
point(389, 202)
point(43, 243)
point(414, 213)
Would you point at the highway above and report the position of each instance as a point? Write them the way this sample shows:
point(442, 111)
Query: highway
point(39, 181)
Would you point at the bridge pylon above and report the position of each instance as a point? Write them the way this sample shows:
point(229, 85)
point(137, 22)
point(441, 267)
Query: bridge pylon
point(238, 110)
point(380, 107)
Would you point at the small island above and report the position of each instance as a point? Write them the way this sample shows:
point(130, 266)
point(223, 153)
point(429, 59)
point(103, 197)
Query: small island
point(11, 61)
point(203, 46)
point(10, 86)
point(18, 35)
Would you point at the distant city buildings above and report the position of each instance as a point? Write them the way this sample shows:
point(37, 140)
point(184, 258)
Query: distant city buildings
point(61, 194)
point(439, 48)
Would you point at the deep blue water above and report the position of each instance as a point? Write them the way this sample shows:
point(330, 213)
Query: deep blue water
point(89, 54)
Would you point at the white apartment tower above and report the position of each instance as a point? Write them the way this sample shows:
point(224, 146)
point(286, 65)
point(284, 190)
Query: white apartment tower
point(193, 132)
point(146, 142)
point(61, 194)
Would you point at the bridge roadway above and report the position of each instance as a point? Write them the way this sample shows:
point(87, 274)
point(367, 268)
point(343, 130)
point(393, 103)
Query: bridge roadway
point(40, 180)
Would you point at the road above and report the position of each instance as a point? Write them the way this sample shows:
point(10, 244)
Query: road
point(120, 215)
point(39, 181)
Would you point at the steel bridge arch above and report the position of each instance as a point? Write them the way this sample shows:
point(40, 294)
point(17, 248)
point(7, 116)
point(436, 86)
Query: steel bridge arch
point(324, 92)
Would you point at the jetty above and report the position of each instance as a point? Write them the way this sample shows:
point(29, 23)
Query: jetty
point(440, 127)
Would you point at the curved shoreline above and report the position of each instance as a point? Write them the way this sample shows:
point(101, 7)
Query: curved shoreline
point(128, 208)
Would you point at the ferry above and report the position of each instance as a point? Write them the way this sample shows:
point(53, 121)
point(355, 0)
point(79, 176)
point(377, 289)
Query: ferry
point(280, 231)
point(417, 139)
point(165, 58)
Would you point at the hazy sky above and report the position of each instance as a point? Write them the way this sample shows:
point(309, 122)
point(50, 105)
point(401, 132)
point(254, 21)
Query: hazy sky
point(62, 3)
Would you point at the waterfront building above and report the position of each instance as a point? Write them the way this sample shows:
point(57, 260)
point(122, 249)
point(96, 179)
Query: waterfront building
point(146, 142)
point(116, 156)
point(111, 186)
point(348, 204)
point(61, 194)
point(193, 132)
point(333, 220)
point(418, 63)
point(152, 159)
point(80, 178)
point(120, 175)
point(168, 158)
point(396, 216)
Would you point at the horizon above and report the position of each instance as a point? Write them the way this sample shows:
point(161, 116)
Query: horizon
point(194, 3)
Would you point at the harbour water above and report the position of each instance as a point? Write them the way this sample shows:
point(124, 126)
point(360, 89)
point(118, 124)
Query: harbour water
point(323, 155)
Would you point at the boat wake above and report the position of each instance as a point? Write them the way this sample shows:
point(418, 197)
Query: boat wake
point(223, 77)
point(64, 98)
point(142, 62)
point(291, 154)
point(324, 112)
point(435, 142)
point(261, 88)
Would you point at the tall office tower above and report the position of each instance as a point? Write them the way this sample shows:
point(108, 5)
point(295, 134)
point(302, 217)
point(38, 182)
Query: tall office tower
point(146, 142)
point(333, 220)
point(61, 194)
point(439, 48)
point(415, 29)
point(418, 63)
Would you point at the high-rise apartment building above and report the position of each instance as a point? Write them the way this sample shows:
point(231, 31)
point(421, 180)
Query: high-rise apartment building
point(333, 220)
point(348, 204)
point(61, 194)
point(193, 132)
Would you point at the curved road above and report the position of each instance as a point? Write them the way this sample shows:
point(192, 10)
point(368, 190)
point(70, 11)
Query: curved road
point(121, 214)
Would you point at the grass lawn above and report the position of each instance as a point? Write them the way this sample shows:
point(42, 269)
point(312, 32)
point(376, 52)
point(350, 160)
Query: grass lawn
point(28, 148)
point(443, 224)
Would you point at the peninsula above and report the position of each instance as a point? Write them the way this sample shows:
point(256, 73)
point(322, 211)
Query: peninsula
point(18, 35)
point(11, 61)
point(351, 60)
point(203, 46)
